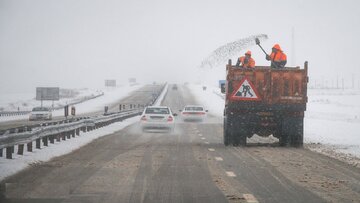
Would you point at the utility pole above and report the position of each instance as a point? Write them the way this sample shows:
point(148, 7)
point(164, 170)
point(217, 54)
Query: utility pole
point(293, 60)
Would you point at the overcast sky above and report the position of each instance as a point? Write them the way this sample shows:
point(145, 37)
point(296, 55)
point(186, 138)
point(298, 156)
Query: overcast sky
point(79, 43)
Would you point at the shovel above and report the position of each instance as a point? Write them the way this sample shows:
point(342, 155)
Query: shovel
point(257, 41)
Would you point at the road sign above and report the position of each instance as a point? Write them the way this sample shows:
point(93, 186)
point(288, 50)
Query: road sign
point(222, 84)
point(47, 93)
point(132, 80)
point(110, 83)
point(245, 91)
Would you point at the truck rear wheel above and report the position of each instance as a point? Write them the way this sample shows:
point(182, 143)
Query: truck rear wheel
point(240, 139)
point(227, 132)
point(297, 136)
point(284, 134)
point(240, 136)
point(291, 132)
point(234, 135)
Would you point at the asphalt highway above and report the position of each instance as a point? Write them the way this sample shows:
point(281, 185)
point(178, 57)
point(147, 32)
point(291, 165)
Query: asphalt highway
point(189, 165)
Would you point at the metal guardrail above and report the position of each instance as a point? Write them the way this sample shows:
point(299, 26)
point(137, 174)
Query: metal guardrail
point(31, 127)
point(57, 131)
point(8, 140)
point(13, 113)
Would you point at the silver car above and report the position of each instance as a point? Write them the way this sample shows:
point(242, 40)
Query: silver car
point(193, 113)
point(157, 117)
point(40, 113)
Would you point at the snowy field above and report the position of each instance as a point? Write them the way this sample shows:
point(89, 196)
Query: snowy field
point(19, 162)
point(332, 118)
point(10, 101)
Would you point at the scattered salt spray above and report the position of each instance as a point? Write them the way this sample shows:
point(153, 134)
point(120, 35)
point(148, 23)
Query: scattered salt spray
point(230, 50)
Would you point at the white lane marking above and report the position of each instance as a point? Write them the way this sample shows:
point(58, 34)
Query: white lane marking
point(211, 149)
point(230, 174)
point(207, 143)
point(200, 135)
point(203, 138)
point(250, 198)
point(217, 158)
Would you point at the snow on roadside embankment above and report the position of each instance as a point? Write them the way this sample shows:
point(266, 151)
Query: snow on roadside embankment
point(25, 102)
point(332, 123)
point(19, 162)
point(110, 96)
point(332, 118)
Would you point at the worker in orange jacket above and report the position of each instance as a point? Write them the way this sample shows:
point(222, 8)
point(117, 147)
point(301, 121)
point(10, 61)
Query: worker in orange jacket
point(246, 61)
point(277, 57)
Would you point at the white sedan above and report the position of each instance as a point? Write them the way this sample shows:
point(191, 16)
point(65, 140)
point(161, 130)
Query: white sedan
point(193, 113)
point(157, 117)
point(40, 113)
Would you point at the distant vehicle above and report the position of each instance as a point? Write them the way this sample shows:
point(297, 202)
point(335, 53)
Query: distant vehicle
point(40, 113)
point(193, 113)
point(174, 87)
point(157, 117)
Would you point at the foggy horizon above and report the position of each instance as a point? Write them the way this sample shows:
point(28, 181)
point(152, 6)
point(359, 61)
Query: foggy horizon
point(73, 44)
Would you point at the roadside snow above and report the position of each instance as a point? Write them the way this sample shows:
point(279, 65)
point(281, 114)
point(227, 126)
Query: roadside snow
point(26, 101)
point(97, 104)
point(161, 96)
point(110, 96)
point(332, 117)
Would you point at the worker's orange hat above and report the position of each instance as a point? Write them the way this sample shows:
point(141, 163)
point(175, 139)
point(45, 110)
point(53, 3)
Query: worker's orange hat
point(277, 46)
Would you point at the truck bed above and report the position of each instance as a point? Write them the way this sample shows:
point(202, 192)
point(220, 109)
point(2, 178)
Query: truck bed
point(270, 87)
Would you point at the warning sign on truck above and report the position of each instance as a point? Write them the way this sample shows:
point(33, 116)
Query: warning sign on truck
point(246, 91)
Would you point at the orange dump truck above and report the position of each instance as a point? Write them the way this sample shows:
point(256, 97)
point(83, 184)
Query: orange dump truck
point(265, 101)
